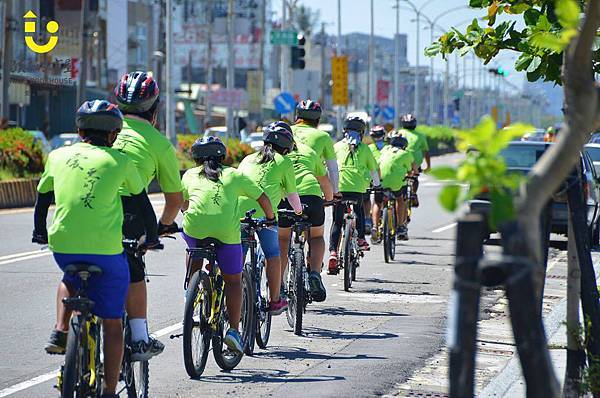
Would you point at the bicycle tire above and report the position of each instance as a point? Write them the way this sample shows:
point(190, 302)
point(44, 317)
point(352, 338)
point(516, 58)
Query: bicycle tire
point(346, 242)
point(199, 284)
point(299, 289)
point(74, 354)
point(252, 295)
point(392, 238)
point(227, 359)
point(386, 236)
point(264, 317)
point(135, 375)
point(290, 314)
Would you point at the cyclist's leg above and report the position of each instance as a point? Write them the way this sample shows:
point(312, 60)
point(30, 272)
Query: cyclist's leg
point(57, 343)
point(360, 215)
point(402, 206)
point(285, 234)
point(269, 242)
point(229, 257)
point(315, 212)
point(367, 208)
point(376, 210)
point(113, 353)
point(336, 226)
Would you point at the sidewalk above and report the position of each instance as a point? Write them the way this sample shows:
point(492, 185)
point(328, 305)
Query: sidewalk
point(498, 372)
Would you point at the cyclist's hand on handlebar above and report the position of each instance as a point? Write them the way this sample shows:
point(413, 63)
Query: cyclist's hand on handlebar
point(40, 238)
point(167, 229)
point(337, 196)
point(270, 222)
point(151, 245)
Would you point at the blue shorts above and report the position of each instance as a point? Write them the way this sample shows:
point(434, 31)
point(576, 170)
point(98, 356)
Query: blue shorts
point(109, 290)
point(269, 242)
point(229, 256)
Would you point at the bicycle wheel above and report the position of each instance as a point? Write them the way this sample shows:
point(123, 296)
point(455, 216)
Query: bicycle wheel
point(386, 235)
point(392, 232)
point(135, 375)
point(291, 292)
point(196, 330)
point(347, 254)
point(252, 299)
point(263, 316)
point(226, 358)
point(75, 361)
point(299, 289)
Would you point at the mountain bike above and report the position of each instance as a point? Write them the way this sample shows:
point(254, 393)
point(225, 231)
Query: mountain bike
point(81, 375)
point(259, 294)
point(389, 226)
point(411, 196)
point(205, 318)
point(350, 254)
point(298, 290)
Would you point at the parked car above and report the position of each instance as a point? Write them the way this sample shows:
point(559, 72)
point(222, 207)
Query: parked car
point(217, 131)
point(255, 140)
point(520, 156)
point(39, 136)
point(65, 139)
point(537, 135)
point(594, 151)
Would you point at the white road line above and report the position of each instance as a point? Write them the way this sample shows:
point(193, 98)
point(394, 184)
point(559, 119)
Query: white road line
point(50, 375)
point(16, 260)
point(22, 254)
point(442, 229)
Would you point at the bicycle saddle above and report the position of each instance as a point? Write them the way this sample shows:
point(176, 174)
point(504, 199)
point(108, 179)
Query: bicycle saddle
point(73, 269)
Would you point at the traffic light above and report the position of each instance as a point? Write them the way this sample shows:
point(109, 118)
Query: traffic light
point(298, 53)
point(499, 71)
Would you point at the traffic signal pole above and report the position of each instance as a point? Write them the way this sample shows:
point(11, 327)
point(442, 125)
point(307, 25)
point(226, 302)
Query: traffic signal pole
point(7, 55)
point(338, 53)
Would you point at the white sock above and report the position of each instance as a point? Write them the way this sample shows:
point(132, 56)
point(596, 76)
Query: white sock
point(139, 329)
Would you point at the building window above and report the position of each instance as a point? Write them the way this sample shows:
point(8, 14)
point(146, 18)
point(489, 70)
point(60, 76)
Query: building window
point(141, 53)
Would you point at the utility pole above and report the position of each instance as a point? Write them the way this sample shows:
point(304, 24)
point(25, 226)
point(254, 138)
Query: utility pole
point(83, 55)
point(263, 38)
point(397, 67)
point(431, 80)
point(417, 82)
point(7, 59)
point(473, 102)
point(283, 52)
point(170, 54)
point(209, 51)
point(338, 50)
point(323, 64)
point(370, 100)
point(230, 66)
point(446, 89)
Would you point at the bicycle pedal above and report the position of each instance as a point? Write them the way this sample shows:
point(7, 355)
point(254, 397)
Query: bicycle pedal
point(175, 336)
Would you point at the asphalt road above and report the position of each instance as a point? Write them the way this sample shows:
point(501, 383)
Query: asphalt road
point(359, 343)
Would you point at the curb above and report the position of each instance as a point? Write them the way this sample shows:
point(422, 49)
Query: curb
point(18, 193)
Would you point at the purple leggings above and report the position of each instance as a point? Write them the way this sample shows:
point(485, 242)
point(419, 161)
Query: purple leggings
point(229, 257)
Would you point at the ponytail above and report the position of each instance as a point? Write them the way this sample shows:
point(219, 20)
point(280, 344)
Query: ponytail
point(211, 167)
point(267, 153)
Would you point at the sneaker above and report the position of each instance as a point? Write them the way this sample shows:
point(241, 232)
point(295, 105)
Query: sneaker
point(414, 200)
point(277, 308)
point(233, 340)
point(57, 343)
point(142, 351)
point(332, 266)
point(363, 245)
point(375, 239)
point(402, 232)
point(317, 289)
point(368, 224)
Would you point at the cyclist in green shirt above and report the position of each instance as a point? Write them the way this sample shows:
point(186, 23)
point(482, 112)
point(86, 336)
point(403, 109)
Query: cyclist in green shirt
point(308, 115)
point(211, 206)
point(396, 164)
point(85, 180)
point(313, 184)
point(273, 172)
point(418, 146)
point(137, 95)
point(355, 159)
point(378, 136)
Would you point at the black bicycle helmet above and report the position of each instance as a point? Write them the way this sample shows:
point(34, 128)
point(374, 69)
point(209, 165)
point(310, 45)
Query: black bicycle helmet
point(396, 139)
point(308, 110)
point(99, 115)
point(355, 123)
point(408, 121)
point(280, 134)
point(378, 133)
point(208, 147)
point(136, 92)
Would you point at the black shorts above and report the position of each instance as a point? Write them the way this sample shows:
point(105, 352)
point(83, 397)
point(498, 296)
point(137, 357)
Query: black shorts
point(378, 196)
point(133, 228)
point(315, 211)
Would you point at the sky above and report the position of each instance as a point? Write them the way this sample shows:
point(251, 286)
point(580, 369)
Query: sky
point(356, 18)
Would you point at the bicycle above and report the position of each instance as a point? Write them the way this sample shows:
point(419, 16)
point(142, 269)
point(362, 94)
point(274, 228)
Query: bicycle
point(350, 254)
point(205, 317)
point(81, 375)
point(135, 375)
point(411, 196)
point(258, 279)
point(389, 226)
point(298, 290)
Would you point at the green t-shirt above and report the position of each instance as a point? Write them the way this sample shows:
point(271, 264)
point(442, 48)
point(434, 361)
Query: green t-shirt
point(152, 153)
point(86, 180)
point(395, 163)
point(307, 166)
point(417, 145)
point(376, 151)
point(275, 179)
point(354, 166)
point(213, 211)
point(317, 139)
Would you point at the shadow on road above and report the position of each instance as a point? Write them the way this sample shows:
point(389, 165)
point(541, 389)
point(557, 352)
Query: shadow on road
point(334, 311)
point(293, 353)
point(387, 291)
point(420, 253)
point(375, 280)
point(319, 333)
point(264, 376)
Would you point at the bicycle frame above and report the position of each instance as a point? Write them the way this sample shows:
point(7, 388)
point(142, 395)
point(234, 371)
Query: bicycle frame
point(216, 280)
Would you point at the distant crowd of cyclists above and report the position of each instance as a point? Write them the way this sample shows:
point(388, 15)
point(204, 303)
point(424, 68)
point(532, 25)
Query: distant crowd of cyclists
point(99, 188)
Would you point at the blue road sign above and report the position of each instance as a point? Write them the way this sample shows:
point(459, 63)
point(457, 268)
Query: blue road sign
point(284, 103)
point(376, 110)
point(389, 112)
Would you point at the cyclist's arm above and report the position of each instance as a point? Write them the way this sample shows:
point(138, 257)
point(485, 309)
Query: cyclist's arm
point(334, 174)
point(167, 174)
point(265, 204)
point(375, 178)
point(427, 160)
point(326, 188)
point(42, 204)
point(173, 202)
point(295, 202)
point(145, 208)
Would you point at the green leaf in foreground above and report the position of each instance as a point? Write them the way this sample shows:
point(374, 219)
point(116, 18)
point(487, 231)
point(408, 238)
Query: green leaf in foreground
point(443, 173)
point(449, 197)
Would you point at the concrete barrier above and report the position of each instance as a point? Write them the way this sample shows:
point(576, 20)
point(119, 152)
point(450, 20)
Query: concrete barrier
point(18, 193)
